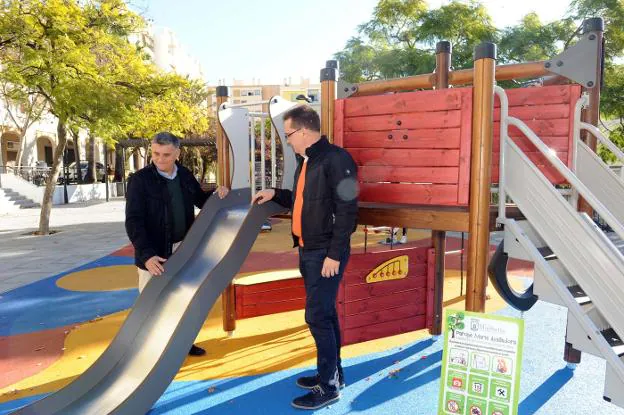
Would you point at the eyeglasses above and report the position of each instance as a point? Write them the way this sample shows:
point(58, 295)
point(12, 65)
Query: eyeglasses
point(291, 133)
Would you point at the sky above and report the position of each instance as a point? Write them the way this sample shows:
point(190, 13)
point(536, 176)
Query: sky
point(275, 39)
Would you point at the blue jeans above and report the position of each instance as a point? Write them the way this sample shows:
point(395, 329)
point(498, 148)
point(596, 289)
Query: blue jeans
point(320, 313)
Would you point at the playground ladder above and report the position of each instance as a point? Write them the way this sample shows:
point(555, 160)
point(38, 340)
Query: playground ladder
point(577, 265)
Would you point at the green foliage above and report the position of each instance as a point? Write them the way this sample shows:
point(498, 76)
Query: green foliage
point(612, 108)
point(400, 39)
point(612, 12)
point(180, 109)
point(533, 41)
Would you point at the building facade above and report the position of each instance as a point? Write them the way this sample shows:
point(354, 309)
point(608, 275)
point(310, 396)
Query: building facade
point(241, 92)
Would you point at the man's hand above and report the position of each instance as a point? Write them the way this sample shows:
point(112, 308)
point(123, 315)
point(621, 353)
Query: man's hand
point(331, 267)
point(222, 191)
point(154, 265)
point(263, 196)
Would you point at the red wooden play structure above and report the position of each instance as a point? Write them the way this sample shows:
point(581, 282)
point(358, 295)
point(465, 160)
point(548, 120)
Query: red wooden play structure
point(427, 148)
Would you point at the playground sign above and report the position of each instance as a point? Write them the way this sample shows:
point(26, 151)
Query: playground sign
point(480, 364)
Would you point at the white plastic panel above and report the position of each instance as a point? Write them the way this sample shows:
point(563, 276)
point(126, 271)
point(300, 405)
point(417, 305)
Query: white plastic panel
point(277, 107)
point(235, 123)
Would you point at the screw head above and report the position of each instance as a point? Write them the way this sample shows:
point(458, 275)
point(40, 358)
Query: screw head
point(547, 65)
point(559, 63)
point(590, 84)
point(404, 136)
point(346, 90)
point(389, 136)
point(592, 37)
point(398, 122)
point(353, 88)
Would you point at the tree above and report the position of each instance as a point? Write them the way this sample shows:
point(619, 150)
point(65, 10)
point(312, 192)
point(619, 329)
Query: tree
point(179, 109)
point(533, 41)
point(76, 55)
point(455, 322)
point(612, 12)
point(465, 25)
point(400, 39)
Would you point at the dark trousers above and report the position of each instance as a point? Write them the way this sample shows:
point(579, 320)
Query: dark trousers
point(320, 313)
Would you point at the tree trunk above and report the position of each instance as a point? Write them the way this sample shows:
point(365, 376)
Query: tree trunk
point(20, 151)
point(91, 176)
point(46, 204)
point(119, 163)
point(136, 156)
point(76, 136)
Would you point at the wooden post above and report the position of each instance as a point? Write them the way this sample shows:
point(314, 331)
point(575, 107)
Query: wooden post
point(443, 67)
point(328, 98)
point(480, 175)
point(223, 159)
point(224, 178)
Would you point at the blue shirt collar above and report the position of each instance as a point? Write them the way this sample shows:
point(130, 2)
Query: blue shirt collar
point(167, 175)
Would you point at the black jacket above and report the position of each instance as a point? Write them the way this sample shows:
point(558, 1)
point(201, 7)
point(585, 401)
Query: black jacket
point(329, 215)
point(149, 215)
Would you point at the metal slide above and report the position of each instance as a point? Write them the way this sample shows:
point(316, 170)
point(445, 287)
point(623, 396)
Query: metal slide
point(153, 342)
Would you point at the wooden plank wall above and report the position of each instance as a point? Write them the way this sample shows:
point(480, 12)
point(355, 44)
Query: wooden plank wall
point(414, 147)
point(269, 297)
point(372, 310)
point(549, 112)
point(411, 139)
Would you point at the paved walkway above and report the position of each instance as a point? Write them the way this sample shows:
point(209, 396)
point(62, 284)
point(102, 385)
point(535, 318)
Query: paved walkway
point(88, 231)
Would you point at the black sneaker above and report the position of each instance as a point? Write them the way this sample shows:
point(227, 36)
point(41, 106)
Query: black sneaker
point(309, 382)
point(316, 398)
point(196, 351)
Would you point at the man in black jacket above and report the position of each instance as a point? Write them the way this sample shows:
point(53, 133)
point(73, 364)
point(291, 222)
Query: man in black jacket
point(159, 209)
point(324, 215)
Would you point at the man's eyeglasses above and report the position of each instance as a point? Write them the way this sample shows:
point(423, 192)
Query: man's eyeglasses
point(291, 133)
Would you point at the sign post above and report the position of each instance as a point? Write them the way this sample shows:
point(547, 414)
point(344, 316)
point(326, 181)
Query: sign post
point(481, 364)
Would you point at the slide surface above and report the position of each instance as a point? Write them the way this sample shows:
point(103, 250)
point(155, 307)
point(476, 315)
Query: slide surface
point(153, 342)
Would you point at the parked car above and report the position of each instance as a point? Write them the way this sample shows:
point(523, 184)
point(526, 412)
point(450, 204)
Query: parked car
point(73, 171)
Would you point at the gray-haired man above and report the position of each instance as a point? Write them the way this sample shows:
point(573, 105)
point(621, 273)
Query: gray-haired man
point(159, 209)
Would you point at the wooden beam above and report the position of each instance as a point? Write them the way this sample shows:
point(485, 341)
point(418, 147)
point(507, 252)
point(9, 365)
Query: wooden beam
point(444, 218)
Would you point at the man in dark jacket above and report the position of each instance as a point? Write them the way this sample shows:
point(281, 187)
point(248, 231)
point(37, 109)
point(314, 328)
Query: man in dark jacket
point(159, 209)
point(324, 215)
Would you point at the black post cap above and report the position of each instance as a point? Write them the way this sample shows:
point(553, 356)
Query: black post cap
point(222, 91)
point(331, 64)
point(443, 46)
point(328, 74)
point(486, 50)
point(594, 24)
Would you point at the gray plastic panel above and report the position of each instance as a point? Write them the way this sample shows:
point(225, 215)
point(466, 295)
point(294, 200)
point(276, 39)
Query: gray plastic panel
point(153, 342)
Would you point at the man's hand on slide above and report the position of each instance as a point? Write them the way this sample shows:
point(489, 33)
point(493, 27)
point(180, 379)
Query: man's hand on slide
point(263, 196)
point(154, 265)
point(222, 191)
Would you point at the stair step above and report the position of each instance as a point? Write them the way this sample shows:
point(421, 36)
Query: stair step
point(547, 253)
point(616, 343)
point(579, 295)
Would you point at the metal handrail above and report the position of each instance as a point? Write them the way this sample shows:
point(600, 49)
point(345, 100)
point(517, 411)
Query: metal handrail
point(603, 140)
point(557, 163)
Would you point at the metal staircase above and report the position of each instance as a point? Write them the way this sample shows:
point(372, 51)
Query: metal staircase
point(577, 265)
